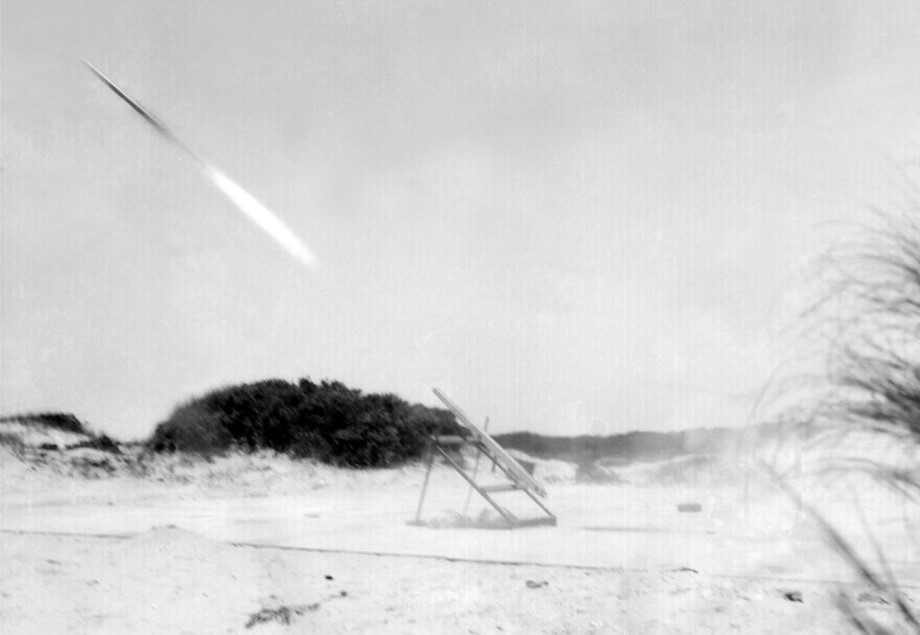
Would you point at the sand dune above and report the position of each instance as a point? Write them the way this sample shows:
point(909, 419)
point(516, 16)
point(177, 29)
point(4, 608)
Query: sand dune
point(261, 543)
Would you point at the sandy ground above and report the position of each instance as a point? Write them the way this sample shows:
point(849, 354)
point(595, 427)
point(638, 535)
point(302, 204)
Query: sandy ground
point(263, 544)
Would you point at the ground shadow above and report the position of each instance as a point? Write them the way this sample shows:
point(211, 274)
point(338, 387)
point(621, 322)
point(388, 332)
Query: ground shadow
point(625, 529)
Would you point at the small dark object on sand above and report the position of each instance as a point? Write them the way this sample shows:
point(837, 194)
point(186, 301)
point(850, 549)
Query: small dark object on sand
point(536, 585)
point(793, 596)
point(865, 596)
point(689, 507)
point(282, 614)
point(329, 577)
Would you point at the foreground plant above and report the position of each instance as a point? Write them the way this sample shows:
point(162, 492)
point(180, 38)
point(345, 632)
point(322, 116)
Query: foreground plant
point(864, 402)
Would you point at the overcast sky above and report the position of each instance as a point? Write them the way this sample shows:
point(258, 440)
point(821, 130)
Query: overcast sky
point(576, 217)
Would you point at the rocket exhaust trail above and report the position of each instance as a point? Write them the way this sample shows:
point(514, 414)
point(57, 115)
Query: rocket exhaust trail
point(243, 200)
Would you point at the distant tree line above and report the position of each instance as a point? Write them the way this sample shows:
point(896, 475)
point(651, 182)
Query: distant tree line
point(327, 421)
point(631, 446)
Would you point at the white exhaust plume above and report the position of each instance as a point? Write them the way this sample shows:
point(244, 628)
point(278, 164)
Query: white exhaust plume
point(243, 200)
point(260, 215)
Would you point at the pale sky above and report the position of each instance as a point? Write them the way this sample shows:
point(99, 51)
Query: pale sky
point(575, 217)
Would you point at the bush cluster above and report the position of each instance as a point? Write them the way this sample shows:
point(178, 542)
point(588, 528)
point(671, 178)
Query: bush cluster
point(326, 421)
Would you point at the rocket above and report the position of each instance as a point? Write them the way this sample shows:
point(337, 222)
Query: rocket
point(241, 199)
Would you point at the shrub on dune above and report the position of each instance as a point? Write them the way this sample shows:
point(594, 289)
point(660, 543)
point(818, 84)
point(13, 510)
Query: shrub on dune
point(326, 421)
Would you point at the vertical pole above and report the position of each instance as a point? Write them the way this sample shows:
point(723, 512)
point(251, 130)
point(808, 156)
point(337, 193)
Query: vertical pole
point(421, 499)
point(469, 494)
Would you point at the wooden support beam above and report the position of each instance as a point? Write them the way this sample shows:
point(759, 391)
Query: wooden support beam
point(469, 494)
point(508, 516)
point(519, 477)
point(421, 499)
point(496, 452)
point(449, 439)
point(504, 487)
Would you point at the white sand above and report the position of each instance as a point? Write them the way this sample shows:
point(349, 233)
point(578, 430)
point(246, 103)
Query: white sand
point(205, 547)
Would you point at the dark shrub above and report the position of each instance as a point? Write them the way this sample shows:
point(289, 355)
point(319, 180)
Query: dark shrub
point(328, 421)
point(191, 428)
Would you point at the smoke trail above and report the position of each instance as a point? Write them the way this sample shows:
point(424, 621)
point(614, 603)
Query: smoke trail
point(244, 201)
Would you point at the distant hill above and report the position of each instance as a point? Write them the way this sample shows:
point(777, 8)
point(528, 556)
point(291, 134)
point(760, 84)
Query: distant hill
point(58, 420)
point(50, 431)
